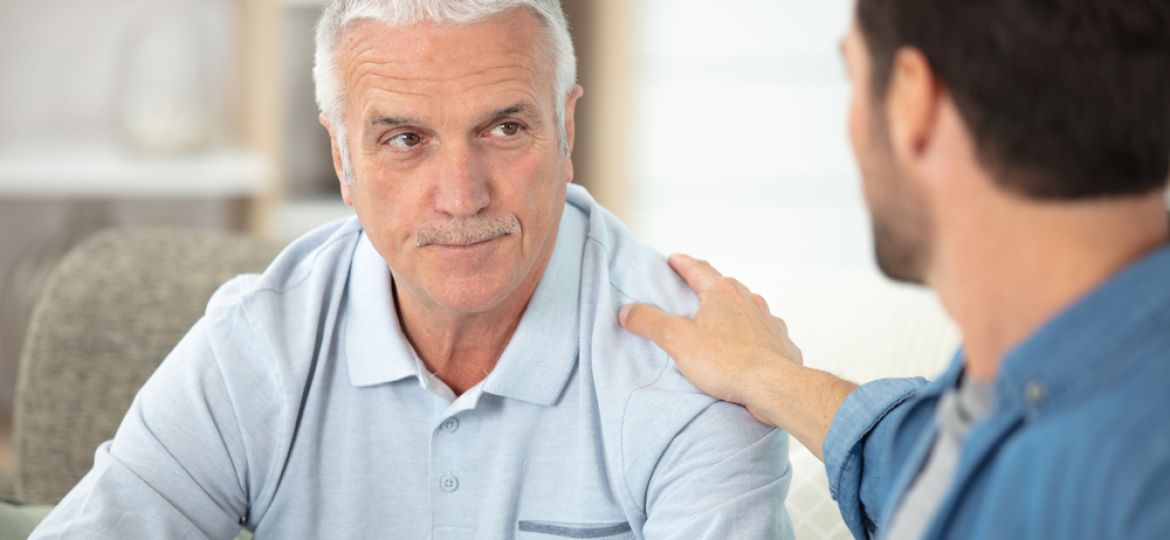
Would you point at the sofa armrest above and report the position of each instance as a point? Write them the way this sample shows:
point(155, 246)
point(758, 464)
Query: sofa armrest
point(17, 521)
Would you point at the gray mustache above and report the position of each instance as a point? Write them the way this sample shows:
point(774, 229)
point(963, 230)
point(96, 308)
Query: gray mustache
point(465, 232)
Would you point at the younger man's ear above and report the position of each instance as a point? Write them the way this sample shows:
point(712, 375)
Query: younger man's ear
point(912, 106)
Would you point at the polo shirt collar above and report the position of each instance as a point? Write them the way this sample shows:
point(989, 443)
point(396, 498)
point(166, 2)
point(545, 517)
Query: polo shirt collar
point(376, 349)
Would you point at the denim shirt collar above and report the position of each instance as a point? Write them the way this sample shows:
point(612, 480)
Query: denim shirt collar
point(1071, 351)
point(1077, 350)
point(534, 367)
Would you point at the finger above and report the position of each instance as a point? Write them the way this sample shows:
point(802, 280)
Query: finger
point(699, 275)
point(796, 355)
point(652, 323)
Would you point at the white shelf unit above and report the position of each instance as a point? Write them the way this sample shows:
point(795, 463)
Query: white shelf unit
point(302, 3)
point(96, 172)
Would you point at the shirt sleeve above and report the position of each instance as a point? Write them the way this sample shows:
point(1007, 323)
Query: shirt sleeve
point(177, 465)
point(723, 476)
point(855, 447)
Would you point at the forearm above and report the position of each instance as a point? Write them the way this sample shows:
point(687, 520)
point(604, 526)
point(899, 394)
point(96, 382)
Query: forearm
point(799, 400)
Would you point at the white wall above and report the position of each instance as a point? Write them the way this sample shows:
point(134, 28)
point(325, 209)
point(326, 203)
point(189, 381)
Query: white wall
point(62, 67)
point(63, 61)
point(741, 138)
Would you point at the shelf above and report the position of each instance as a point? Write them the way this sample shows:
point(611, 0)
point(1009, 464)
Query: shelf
point(302, 3)
point(106, 172)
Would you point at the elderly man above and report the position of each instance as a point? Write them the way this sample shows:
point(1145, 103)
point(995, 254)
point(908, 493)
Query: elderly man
point(449, 363)
point(1014, 157)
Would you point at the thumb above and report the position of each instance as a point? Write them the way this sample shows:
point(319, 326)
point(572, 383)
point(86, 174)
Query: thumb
point(652, 323)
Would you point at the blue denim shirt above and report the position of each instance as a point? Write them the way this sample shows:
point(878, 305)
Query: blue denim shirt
point(1078, 445)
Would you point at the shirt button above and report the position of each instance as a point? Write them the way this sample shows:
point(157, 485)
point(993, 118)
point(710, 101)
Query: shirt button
point(1035, 393)
point(450, 425)
point(449, 483)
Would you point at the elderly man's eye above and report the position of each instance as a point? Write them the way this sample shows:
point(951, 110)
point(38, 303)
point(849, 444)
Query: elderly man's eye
point(405, 140)
point(507, 129)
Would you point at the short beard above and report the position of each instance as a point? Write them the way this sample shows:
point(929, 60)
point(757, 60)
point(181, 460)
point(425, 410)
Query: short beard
point(899, 257)
point(899, 214)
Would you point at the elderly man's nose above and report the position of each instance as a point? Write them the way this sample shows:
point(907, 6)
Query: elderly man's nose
point(462, 184)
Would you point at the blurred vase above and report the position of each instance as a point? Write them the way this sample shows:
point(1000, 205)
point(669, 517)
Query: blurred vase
point(165, 100)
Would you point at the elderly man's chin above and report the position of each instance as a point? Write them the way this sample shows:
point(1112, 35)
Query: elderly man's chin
point(471, 279)
point(471, 296)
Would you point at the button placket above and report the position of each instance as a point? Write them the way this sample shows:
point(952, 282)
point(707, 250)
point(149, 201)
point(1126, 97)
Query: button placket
point(450, 477)
point(446, 460)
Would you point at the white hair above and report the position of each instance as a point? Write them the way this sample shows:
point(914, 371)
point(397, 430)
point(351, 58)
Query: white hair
point(399, 13)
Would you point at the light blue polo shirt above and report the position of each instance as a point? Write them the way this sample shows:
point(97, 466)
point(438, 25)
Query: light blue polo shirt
point(296, 408)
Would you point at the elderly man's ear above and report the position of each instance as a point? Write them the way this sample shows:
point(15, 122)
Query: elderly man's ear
point(337, 168)
point(571, 127)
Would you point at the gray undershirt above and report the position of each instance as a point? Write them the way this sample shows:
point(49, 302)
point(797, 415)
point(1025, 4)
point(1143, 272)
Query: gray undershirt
point(958, 411)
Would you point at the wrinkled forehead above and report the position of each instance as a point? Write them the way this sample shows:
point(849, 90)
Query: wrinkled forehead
point(440, 59)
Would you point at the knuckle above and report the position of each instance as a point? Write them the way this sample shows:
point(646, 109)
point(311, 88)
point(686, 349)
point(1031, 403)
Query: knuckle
point(669, 335)
point(726, 285)
point(705, 267)
point(783, 326)
point(661, 331)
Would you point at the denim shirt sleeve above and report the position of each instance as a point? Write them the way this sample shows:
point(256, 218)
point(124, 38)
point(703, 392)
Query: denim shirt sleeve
point(861, 433)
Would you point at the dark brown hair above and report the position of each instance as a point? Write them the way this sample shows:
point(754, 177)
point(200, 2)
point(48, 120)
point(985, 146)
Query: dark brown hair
point(1065, 99)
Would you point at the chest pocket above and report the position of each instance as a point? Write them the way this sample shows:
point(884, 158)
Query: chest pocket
point(551, 529)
